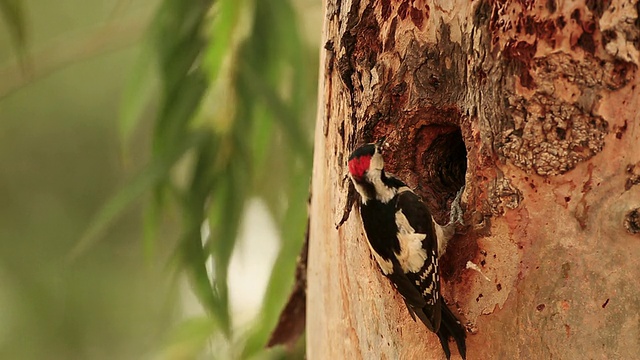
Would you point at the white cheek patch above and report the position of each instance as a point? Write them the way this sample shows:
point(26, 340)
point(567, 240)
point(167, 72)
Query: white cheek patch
point(412, 255)
point(374, 177)
point(376, 162)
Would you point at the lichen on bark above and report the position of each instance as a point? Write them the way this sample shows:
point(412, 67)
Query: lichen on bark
point(556, 72)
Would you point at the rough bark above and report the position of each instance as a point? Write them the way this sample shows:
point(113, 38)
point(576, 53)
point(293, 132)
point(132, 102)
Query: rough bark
point(532, 105)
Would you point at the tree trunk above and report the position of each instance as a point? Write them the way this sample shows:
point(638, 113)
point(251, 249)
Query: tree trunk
point(533, 105)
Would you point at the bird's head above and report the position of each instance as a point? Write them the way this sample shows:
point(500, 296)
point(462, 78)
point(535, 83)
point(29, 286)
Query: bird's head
point(366, 169)
point(366, 163)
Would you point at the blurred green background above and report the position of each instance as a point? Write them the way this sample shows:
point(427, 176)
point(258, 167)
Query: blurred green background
point(155, 158)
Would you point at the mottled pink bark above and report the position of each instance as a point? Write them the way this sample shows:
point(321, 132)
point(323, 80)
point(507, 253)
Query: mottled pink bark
point(543, 97)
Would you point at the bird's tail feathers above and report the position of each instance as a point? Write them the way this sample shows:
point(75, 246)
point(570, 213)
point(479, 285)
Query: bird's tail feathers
point(451, 327)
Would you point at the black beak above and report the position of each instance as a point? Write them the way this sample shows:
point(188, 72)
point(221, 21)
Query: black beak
point(380, 142)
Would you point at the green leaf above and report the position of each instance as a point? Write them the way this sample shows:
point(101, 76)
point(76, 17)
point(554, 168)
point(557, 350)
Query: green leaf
point(178, 39)
point(190, 338)
point(176, 112)
point(246, 56)
point(288, 121)
point(137, 94)
point(227, 205)
point(282, 274)
point(195, 255)
point(223, 29)
point(195, 261)
point(261, 140)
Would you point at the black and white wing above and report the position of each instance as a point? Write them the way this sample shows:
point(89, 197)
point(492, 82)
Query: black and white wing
point(418, 258)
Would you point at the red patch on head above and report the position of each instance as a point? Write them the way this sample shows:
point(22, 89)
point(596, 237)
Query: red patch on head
point(359, 165)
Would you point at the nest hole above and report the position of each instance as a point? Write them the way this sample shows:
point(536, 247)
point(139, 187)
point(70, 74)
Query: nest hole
point(444, 164)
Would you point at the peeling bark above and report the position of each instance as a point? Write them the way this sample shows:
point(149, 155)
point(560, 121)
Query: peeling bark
point(532, 105)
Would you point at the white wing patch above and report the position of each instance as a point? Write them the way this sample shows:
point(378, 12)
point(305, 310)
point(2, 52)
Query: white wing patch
point(412, 255)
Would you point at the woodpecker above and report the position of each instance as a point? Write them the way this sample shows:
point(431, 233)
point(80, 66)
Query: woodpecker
point(406, 242)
